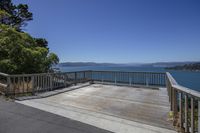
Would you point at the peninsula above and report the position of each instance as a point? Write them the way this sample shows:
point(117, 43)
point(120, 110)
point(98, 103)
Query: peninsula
point(187, 67)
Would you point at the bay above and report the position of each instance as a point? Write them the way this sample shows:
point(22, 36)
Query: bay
point(188, 79)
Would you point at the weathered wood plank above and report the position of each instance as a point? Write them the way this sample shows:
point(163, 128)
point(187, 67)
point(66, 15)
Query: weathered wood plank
point(186, 113)
point(192, 115)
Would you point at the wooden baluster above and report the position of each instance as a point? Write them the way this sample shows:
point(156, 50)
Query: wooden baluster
point(186, 113)
point(8, 89)
point(84, 77)
point(33, 84)
point(48, 81)
point(14, 85)
point(115, 78)
point(171, 95)
point(180, 111)
point(23, 83)
point(43, 79)
point(130, 79)
point(56, 80)
point(38, 82)
point(102, 77)
point(174, 105)
point(192, 115)
point(146, 78)
point(65, 80)
point(45, 82)
point(75, 78)
point(18, 84)
point(51, 81)
point(27, 83)
point(198, 116)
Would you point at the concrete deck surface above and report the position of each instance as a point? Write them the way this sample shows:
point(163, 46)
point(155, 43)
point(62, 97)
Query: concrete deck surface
point(114, 108)
point(18, 118)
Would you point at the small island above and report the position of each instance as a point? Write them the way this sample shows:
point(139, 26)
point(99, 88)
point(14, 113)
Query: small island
point(186, 67)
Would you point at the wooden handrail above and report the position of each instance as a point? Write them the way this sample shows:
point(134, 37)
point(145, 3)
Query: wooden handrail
point(3, 85)
point(127, 71)
point(183, 89)
point(34, 74)
point(3, 74)
point(187, 90)
point(172, 80)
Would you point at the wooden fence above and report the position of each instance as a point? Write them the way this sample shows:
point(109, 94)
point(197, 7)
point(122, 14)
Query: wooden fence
point(34, 83)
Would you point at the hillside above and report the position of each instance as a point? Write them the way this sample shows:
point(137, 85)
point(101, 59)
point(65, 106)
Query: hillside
point(187, 67)
point(80, 64)
point(158, 64)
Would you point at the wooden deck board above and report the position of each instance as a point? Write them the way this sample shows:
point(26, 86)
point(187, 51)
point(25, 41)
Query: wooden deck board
point(148, 106)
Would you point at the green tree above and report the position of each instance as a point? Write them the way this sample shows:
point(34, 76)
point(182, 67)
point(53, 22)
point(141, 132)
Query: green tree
point(19, 53)
point(41, 42)
point(18, 14)
point(4, 17)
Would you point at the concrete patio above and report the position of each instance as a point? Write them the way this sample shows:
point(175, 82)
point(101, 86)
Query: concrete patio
point(118, 109)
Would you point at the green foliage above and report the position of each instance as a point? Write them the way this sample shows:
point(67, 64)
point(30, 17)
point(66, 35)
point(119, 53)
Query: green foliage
point(18, 14)
point(4, 16)
point(41, 42)
point(19, 53)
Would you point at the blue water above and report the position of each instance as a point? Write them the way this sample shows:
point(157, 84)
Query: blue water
point(184, 78)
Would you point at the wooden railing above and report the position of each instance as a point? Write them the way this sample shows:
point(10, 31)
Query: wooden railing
point(34, 83)
point(149, 79)
point(185, 106)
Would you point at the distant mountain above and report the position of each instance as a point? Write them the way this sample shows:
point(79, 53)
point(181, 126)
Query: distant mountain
point(79, 64)
point(187, 67)
point(158, 64)
point(168, 64)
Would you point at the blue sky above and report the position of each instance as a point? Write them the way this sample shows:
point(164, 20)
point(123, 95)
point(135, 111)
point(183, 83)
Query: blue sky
point(118, 31)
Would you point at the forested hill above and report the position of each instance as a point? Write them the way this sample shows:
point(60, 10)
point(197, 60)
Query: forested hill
point(187, 67)
point(78, 64)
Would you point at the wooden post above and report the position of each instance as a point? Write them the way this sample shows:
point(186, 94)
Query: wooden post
point(186, 113)
point(51, 82)
point(171, 95)
point(198, 116)
point(167, 86)
point(65, 80)
point(172, 99)
point(192, 115)
point(84, 77)
point(23, 83)
point(42, 82)
point(75, 78)
point(130, 80)
point(91, 78)
point(102, 78)
point(115, 78)
point(174, 106)
point(8, 89)
point(33, 85)
point(180, 111)
point(147, 79)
